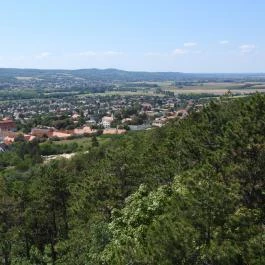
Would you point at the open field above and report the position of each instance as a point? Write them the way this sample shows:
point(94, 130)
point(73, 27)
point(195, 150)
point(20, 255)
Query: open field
point(124, 93)
point(217, 88)
point(85, 142)
point(143, 88)
point(217, 91)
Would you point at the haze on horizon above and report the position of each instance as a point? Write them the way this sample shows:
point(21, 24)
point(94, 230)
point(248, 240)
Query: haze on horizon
point(180, 36)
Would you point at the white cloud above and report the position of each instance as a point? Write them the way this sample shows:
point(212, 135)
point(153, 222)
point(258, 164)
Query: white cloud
point(179, 51)
point(190, 44)
point(247, 48)
point(43, 55)
point(224, 42)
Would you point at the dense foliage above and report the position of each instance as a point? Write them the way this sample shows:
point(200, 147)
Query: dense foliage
point(192, 192)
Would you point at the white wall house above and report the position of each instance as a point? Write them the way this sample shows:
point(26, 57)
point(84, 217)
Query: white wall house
point(106, 121)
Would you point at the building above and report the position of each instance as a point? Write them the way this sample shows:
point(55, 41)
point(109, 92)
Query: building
point(91, 122)
point(126, 120)
point(106, 121)
point(182, 113)
point(60, 135)
point(114, 131)
point(75, 116)
point(7, 125)
point(139, 127)
point(146, 106)
point(9, 140)
point(42, 132)
point(159, 122)
point(84, 130)
point(29, 137)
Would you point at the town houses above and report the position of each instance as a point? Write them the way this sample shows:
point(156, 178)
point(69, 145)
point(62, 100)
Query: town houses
point(7, 124)
point(66, 118)
point(8, 137)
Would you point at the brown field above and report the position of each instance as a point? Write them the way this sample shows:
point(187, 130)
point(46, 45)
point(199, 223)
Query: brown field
point(219, 88)
point(217, 91)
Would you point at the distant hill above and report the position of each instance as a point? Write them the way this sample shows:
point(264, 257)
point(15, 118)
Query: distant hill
point(121, 75)
point(94, 74)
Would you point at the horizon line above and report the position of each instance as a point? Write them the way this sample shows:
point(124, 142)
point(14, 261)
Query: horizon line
point(118, 69)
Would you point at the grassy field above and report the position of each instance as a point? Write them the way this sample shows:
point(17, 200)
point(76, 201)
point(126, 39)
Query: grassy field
point(85, 142)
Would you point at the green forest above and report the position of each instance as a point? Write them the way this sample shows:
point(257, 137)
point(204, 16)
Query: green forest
point(189, 193)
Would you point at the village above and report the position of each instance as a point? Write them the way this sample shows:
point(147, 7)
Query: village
point(87, 116)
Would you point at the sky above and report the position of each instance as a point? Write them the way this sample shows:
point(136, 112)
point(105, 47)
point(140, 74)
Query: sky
point(202, 36)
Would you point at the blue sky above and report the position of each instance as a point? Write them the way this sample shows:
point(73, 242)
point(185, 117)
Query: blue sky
point(151, 35)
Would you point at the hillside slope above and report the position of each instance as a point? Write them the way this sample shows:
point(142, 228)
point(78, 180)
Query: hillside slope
point(191, 192)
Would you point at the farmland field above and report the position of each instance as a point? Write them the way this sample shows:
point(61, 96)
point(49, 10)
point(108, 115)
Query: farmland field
point(217, 88)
